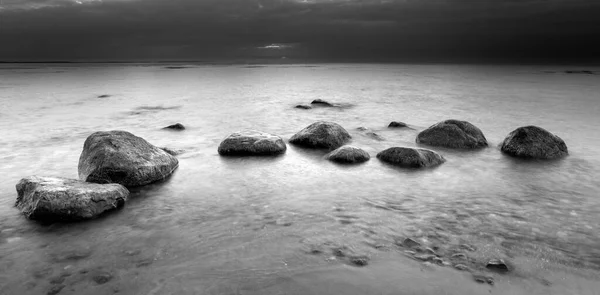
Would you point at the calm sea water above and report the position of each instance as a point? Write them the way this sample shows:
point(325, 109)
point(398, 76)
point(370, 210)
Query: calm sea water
point(272, 225)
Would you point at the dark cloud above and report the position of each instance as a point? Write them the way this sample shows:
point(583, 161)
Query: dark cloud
point(326, 30)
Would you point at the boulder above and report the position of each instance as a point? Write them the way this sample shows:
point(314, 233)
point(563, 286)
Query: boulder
point(321, 134)
point(321, 103)
point(61, 199)
point(177, 126)
point(252, 143)
point(533, 142)
point(121, 157)
point(348, 154)
point(303, 106)
point(411, 157)
point(497, 265)
point(395, 124)
point(453, 134)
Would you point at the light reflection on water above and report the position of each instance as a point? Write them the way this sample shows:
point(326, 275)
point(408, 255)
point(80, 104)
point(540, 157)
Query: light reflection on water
point(221, 222)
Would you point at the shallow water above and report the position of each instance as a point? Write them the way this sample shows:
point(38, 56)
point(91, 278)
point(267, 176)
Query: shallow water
point(273, 225)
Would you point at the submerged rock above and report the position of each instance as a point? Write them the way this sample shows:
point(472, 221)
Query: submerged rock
point(321, 103)
point(453, 134)
point(534, 142)
point(461, 267)
point(252, 143)
point(359, 260)
point(104, 96)
point(410, 157)
point(410, 243)
point(61, 199)
point(396, 124)
point(497, 264)
point(348, 154)
point(483, 279)
point(321, 134)
point(303, 106)
point(177, 126)
point(121, 157)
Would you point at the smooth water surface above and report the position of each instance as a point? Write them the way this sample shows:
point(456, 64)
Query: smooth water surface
point(273, 225)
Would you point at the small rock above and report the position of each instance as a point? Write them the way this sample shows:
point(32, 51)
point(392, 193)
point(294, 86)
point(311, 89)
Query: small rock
point(321, 134)
point(533, 142)
point(104, 96)
point(461, 267)
point(303, 106)
point(410, 243)
point(348, 154)
point(483, 279)
point(437, 261)
point(430, 251)
point(177, 126)
point(497, 264)
point(55, 289)
point(359, 260)
point(251, 142)
point(459, 256)
point(411, 157)
point(102, 278)
point(453, 134)
point(396, 124)
point(467, 247)
point(339, 252)
point(425, 257)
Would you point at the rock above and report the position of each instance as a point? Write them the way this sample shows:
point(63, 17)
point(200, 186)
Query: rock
point(321, 102)
point(533, 142)
point(104, 96)
point(410, 157)
point(359, 260)
point(410, 243)
point(497, 264)
point(459, 256)
point(461, 267)
point(303, 106)
point(586, 72)
point(321, 134)
point(430, 251)
point(467, 247)
point(172, 152)
point(61, 199)
point(453, 134)
point(425, 257)
point(483, 279)
point(102, 278)
point(348, 154)
point(177, 126)
point(252, 143)
point(396, 124)
point(121, 157)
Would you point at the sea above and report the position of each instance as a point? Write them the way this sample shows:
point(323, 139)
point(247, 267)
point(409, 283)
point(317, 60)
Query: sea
point(296, 223)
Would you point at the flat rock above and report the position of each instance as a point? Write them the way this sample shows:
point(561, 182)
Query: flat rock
point(534, 142)
point(303, 106)
point(453, 134)
point(396, 124)
point(252, 143)
point(321, 134)
point(411, 157)
point(121, 157)
point(348, 154)
point(52, 198)
point(321, 103)
point(177, 126)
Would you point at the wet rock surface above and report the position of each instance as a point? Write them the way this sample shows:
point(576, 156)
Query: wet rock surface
point(453, 134)
point(410, 157)
point(252, 143)
point(348, 155)
point(321, 134)
point(61, 199)
point(534, 142)
point(121, 157)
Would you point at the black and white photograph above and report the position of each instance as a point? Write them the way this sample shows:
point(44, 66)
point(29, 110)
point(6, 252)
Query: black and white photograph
point(299, 147)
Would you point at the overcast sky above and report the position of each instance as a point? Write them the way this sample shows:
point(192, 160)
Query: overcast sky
point(320, 30)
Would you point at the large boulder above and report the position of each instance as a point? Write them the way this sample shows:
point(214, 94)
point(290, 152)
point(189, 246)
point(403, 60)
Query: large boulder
point(252, 143)
point(54, 199)
point(121, 157)
point(321, 134)
point(453, 134)
point(410, 157)
point(348, 154)
point(534, 142)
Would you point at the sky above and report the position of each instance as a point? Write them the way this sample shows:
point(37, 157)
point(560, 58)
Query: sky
point(305, 30)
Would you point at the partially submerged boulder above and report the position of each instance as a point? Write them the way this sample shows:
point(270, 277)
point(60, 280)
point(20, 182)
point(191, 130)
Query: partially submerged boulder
point(121, 157)
point(321, 103)
point(453, 134)
point(348, 154)
point(534, 142)
point(177, 126)
point(303, 106)
point(56, 199)
point(396, 124)
point(321, 134)
point(252, 143)
point(410, 157)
